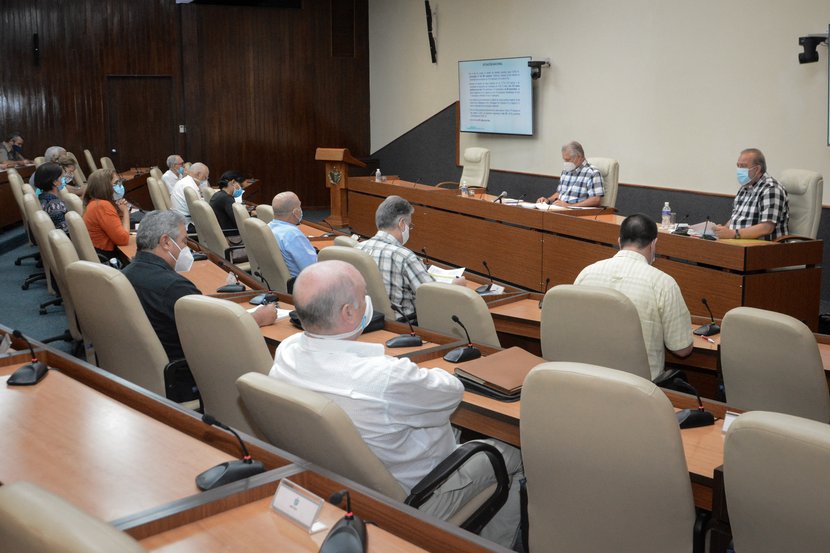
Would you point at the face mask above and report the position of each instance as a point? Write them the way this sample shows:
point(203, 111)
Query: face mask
point(181, 171)
point(300, 218)
point(17, 148)
point(405, 234)
point(38, 192)
point(117, 191)
point(568, 166)
point(367, 316)
point(66, 179)
point(743, 175)
point(238, 193)
point(204, 184)
point(61, 186)
point(185, 260)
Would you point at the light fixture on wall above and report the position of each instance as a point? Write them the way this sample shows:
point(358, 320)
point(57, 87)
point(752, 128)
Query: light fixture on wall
point(810, 44)
point(536, 67)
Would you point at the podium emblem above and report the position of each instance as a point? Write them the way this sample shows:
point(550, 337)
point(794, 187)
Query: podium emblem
point(335, 176)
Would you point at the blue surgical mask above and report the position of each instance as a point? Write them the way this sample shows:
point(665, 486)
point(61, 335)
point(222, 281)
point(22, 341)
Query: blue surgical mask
point(117, 191)
point(181, 171)
point(61, 186)
point(238, 193)
point(743, 175)
point(367, 317)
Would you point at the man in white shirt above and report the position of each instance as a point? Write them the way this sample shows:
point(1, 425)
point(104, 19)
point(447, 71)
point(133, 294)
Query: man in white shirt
point(402, 411)
point(664, 317)
point(194, 177)
point(175, 171)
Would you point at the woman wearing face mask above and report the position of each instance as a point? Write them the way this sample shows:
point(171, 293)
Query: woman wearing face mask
point(48, 181)
point(106, 213)
point(230, 188)
point(68, 167)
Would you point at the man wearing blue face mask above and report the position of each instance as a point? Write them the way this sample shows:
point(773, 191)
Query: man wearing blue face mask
point(761, 208)
point(175, 171)
point(297, 251)
point(580, 184)
point(401, 410)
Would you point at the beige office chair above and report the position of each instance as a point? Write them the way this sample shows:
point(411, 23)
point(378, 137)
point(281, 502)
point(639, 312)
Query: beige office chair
point(610, 171)
point(40, 227)
point(106, 163)
point(113, 320)
point(208, 192)
point(313, 427)
point(79, 235)
point(476, 171)
point(367, 267)
point(156, 173)
point(90, 161)
point(265, 213)
point(211, 236)
point(39, 161)
point(804, 192)
point(33, 520)
point(190, 196)
point(80, 176)
point(64, 254)
point(240, 215)
point(436, 303)
point(777, 482)
point(261, 243)
point(217, 358)
point(72, 201)
point(16, 183)
point(158, 194)
point(771, 362)
point(346, 241)
point(604, 463)
point(590, 324)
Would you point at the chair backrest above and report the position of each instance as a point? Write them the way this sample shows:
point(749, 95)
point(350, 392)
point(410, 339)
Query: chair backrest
point(41, 225)
point(208, 192)
point(610, 171)
point(158, 194)
point(777, 482)
point(604, 463)
point(367, 267)
point(27, 189)
point(346, 241)
point(207, 227)
point(80, 176)
point(111, 315)
point(804, 192)
point(106, 163)
point(261, 243)
point(190, 196)
point(476, 170)
point(79, 235)
point(771, 362)
point(311, 426)
point(16, 184)
point(217, 358)
point(265, 213)
point(437, 302)
point(39, 161)
point(240, 215)
point(90, 161)
point(575, 319)
point(156, 173)
point(33, 520)
point(64, 254)
point(72, 201)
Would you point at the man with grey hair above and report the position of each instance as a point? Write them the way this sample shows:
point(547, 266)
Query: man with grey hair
point(175, 171)
point(401, 410)
point(297, 251)
point(580, 184)
point(11, 152)
point(194, 178)
point(50, 156)
point(154, 273)
point(401, 270)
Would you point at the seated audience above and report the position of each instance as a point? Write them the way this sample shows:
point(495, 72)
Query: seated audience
point(194, 177)
point(230, 188)
point(68, 166)
point(402, 411)
point(296, 249)
point(175, 171)
point(106, 212)
point(48, 181)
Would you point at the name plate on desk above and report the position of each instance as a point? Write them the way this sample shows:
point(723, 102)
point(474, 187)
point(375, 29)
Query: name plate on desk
point(5, 344)
point(299, 505)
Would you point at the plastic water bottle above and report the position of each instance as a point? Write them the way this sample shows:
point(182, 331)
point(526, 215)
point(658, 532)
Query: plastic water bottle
point(377, 175)
point(666, 216)
point(465, 191)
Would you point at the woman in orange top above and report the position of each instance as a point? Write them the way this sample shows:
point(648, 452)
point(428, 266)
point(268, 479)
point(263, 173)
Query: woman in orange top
point(106, 212)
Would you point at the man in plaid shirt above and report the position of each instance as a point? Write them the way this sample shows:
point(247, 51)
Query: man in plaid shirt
point(761, 209)
point(580, 184)
point(401, 270)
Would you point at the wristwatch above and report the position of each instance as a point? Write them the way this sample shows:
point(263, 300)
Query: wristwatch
point(737, 234)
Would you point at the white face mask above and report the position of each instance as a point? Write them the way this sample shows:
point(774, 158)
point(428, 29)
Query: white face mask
point(185, 260)
point(405, 234)
point(204, 184)
point(568, 166)
point(367, 316)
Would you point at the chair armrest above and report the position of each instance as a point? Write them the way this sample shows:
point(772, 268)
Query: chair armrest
point(447, 184)
point(425, 488)
point(229, 251)
point(792, 238)
point(179, 385)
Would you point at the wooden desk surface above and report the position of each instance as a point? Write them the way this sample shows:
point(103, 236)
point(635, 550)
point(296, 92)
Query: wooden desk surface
point(255, 527)
point(106, 458)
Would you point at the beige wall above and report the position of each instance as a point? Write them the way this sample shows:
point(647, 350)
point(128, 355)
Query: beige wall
point(672, 89)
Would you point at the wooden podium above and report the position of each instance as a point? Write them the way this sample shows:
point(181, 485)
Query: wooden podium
point(337, 181)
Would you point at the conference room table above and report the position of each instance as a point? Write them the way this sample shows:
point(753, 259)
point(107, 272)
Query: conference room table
point(130, 457)
point(536, 249)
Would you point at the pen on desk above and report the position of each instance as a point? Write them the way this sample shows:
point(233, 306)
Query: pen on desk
point(708, 339)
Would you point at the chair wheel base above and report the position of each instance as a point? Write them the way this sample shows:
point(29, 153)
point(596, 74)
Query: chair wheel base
point(25, 287)
point(42, 311)
point(17, 262)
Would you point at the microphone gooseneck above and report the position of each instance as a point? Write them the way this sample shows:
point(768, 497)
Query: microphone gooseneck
point(711, 328)
point(692, 418)
point(426, 257)
point(209, 419)
point(229, 471)
point(500, 197)
point(484, 288)
point(465, 353)
point(410, 340)
point(32, 372)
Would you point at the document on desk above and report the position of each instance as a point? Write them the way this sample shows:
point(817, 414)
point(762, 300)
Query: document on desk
point(281, 313)
point(707, 227)
point(445, 275)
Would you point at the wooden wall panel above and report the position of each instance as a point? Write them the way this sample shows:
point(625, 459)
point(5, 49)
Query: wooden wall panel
point(258, 88)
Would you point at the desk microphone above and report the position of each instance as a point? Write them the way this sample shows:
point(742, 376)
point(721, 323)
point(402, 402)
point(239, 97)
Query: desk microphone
point(682, 227)
point(602, 210)
point(500, 197)
point(426, 257)
point(692, 418)
point(348, 535)
point(709, 329)
point(229, 471)
point(329, 234)
point(705, 227)
point(261, 299)
point(466, 353)
point(544, 291)
point(410, 340)
point(31, 373)
point(484, 288)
